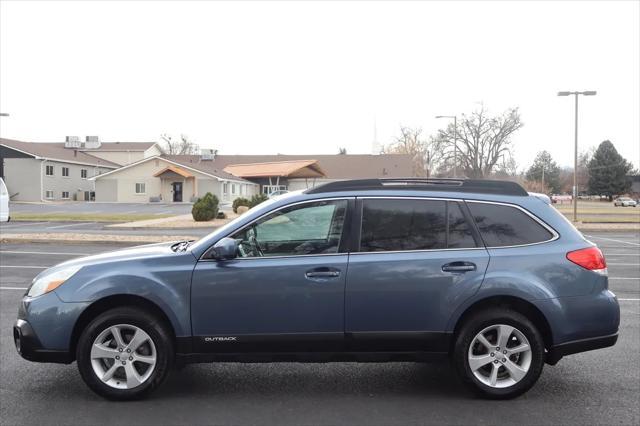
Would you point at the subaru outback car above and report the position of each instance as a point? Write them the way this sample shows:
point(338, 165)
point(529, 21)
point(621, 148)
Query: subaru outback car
point(479, 272)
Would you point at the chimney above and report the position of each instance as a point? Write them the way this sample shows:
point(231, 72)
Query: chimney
point(92, 142)
point(208, 154)
point(72, 142)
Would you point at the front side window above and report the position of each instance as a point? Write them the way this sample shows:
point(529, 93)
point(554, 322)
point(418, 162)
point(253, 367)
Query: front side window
point(49, 170)
point(65, 172)
point(401, 224)
point(65, 195)
point(304, 229)
point(141, 188)
point(83, 173)
point(502, 225)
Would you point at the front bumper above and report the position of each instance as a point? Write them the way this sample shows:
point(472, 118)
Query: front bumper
point(29, 347)
point(556, 352)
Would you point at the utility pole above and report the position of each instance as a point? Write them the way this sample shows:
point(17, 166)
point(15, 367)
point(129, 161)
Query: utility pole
point(575, 152)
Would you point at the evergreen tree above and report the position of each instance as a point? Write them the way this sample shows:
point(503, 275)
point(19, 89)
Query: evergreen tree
point(543, 161)
point(608, 172)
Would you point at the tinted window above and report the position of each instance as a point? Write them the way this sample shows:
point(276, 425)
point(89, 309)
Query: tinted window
point(460, 235)
point(313, 228)
point(394, 224)
point(506, 226)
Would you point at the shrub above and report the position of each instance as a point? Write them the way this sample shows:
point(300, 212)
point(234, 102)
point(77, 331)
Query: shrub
point(240, 202)
point(257, 199)
point(206, 208)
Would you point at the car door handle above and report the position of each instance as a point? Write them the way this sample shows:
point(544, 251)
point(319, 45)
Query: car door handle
point(459, 267)
point(322, 273)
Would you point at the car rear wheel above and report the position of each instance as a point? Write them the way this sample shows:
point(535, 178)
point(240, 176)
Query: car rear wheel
point(499, 354)
point(124, 354)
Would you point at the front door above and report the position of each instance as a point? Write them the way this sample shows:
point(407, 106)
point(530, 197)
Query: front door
point(177, 192)
point(285, 290)
point(417, 261)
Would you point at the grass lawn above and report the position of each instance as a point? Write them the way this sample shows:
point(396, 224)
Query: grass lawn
point(85, 217)
point(600, 212)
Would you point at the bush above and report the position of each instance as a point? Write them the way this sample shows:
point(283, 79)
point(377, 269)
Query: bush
point(206, 208)
point(240, 202)
point(257, 199)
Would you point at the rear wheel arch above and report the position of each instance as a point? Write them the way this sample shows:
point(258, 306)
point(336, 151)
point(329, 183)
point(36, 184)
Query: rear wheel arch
point(510, 302)
point(117, 301)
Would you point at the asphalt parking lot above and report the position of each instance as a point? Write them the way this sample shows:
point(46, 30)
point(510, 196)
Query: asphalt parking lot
point(78, 207)
point(599, 387)
point(94, 228)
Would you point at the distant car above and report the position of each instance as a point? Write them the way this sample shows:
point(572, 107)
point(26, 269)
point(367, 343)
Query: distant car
point(4, 202)
point(624, 202)
point(277, 193)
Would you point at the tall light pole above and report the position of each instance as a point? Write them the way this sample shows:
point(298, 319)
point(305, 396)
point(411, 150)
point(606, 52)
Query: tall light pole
point(455, 141)
point(575, 153)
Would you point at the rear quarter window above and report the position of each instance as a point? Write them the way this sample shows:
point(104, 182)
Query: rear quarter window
point(502, 225)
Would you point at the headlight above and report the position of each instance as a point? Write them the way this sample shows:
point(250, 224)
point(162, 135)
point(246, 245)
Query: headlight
point(50, 281)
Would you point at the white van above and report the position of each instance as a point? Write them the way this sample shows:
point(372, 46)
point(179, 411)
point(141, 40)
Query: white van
point(4, 202)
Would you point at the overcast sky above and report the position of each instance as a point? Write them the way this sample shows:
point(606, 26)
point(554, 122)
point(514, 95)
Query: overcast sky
point(309, 77)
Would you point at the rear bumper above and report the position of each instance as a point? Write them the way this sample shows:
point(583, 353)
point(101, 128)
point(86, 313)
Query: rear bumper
point(583, 345)
point(29, 347)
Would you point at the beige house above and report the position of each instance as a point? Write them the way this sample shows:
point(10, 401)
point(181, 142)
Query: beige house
point(161, 179)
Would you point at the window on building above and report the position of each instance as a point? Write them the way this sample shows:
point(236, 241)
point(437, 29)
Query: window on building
point(501, 225)
point(141, 188)
point(270, 189)
point(83, 173)
point(65, 172)
point(225, 188)
point(49, 170)
point(48, 194)
point(65, 195)
point(233, 188)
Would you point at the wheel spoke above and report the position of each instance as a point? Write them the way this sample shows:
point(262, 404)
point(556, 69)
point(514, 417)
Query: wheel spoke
point(145, 359)
point(520, 348)
point(515, 371)
point(109, 373)
point(133, 378)
point(99, 351)
point(117, 335)
point(483, 340)
point(476, 362)
point(494, 374)
point(138, 339)
point(504, 332)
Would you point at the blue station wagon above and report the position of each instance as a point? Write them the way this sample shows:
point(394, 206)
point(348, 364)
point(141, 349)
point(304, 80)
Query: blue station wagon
point(382, 270)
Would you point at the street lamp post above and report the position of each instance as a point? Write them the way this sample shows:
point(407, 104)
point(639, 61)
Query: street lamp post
point(575, 152)
point(455, 141)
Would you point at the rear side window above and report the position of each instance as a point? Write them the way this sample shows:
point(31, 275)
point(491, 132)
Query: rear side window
point(501, 225)
point(401, 224)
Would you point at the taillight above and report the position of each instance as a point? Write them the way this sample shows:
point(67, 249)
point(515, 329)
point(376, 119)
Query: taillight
point(590, 258)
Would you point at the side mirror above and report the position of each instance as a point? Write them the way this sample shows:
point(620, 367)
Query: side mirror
point(225, 249)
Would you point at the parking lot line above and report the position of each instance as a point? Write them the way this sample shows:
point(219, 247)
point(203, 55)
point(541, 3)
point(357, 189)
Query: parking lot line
point(625, 278)
point(42, 252)
point(25, 267)
point(17, 225)
point(13, 288)
point(70, 225)
point(614, 240)
point(623, 264)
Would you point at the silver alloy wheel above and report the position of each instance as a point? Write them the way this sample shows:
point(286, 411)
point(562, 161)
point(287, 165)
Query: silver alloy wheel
point(123, 356)
point(499, 356)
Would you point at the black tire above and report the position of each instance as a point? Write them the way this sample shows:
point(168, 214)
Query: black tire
point(150, 324)
point(478, 322)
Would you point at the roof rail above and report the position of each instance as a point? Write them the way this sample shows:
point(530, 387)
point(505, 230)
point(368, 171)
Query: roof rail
point(482, 186)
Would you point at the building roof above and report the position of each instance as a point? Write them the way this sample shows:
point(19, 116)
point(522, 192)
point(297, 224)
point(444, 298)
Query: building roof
point(121, 146)
point(203, 166)
point(291, 169)
point(336, 166)
point(57, 152)
point(174, 170)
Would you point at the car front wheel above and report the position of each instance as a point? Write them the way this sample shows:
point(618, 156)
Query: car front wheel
point(499, 354)
point(124, 354)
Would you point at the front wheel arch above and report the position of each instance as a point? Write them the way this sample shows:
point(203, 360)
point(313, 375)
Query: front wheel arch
point(116, 301)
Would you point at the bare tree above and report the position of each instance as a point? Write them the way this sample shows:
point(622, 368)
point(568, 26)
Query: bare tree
point(482, 141)
point(424, 153)
point(342, 151)
point(182, 146)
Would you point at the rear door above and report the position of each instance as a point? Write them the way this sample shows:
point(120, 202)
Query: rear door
point(417, 260)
